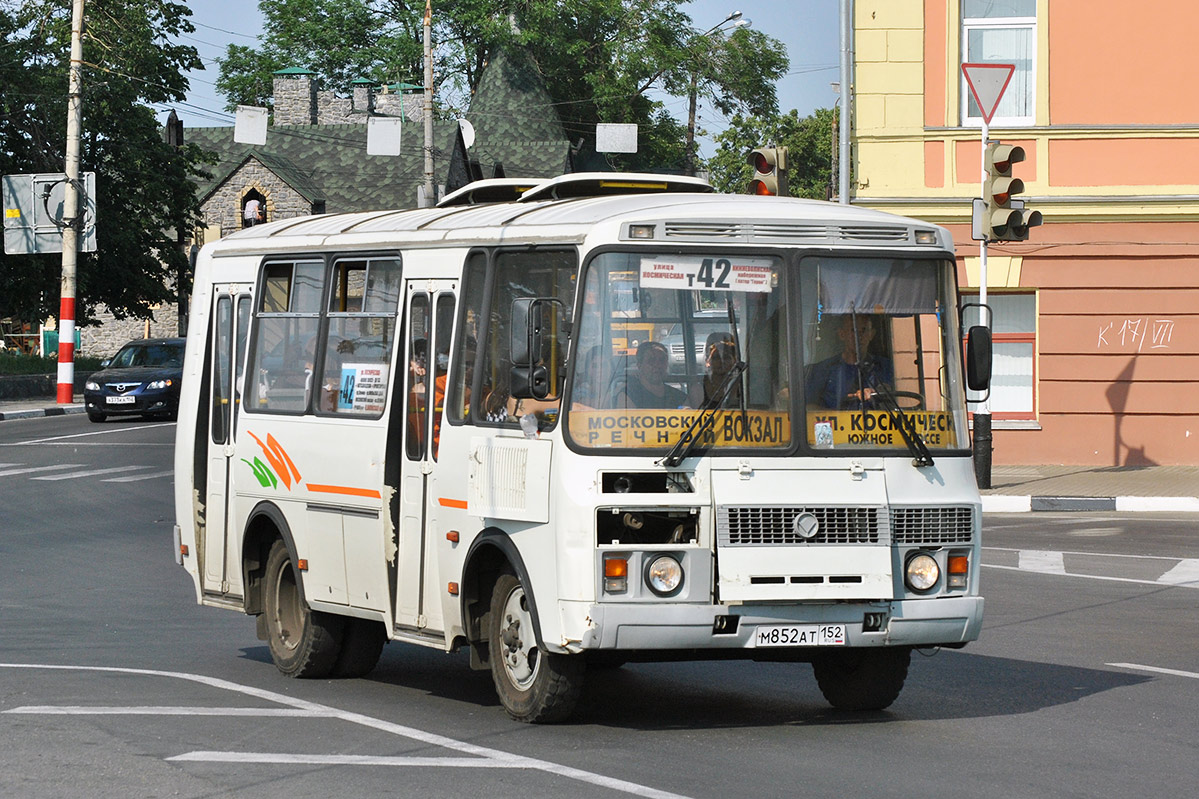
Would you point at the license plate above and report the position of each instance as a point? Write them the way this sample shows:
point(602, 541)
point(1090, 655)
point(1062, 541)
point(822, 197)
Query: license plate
point(800, 635)
point(120, 400)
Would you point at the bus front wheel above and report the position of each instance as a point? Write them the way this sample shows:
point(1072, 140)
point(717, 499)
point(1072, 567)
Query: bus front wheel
point(532, 685)
point(303, 642)
point(862, 679)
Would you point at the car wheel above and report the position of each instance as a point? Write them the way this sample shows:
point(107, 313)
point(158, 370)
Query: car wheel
point(303, 642)
point(532, 685)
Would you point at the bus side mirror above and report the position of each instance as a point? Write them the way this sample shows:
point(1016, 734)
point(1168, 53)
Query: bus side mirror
point(978, 358)
point(532, 323)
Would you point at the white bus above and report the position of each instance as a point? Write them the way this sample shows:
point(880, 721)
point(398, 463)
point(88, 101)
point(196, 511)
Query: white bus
point(612, 418)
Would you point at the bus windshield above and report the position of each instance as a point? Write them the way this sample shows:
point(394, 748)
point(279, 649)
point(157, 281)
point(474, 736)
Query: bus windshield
point(827, 353)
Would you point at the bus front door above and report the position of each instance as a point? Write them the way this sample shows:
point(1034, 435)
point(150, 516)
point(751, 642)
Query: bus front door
point(430, 321)
point(230, 327)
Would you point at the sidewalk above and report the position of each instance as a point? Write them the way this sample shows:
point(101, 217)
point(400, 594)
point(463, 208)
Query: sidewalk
point(38, 406)
point(1014, 489)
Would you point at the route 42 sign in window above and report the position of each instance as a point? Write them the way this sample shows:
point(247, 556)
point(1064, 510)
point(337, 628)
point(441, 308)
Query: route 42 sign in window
point(707, 274)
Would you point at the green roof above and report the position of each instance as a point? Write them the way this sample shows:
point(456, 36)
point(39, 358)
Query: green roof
point(515, 124)
point(293, 71)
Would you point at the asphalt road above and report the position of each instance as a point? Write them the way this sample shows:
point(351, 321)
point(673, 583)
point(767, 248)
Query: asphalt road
point(114, 683)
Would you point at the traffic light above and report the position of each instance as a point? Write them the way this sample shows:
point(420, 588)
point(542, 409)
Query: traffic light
point(1004, 219)
point(770, 171)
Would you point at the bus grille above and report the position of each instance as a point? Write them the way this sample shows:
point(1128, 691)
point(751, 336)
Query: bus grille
point(932, 526)
point(786, 231)
point(773, 526)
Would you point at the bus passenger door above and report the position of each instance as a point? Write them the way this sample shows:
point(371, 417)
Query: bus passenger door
point(430, 314)
point(230, 328)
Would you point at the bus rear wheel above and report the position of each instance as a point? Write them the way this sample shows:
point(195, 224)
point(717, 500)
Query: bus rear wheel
point(303, 642)
point(862, 679)
point(533, 686)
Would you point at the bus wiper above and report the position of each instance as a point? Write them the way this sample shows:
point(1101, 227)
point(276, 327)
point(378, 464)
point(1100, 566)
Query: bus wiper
point(703, 421)
point(920, 454)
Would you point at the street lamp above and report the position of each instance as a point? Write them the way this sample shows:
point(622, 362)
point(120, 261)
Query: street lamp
point(738, 22)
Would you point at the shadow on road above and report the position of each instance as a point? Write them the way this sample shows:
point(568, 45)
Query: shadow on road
point(724, 694)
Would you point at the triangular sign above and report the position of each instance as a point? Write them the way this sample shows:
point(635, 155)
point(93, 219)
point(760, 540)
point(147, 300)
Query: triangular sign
point(987, 82)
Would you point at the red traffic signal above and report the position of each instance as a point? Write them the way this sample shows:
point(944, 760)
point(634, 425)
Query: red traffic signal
point(770, 171)
point(1003, 219)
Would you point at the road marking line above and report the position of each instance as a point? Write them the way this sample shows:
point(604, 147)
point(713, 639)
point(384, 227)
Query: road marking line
point(81, 435)
point(492, 757)
point(1156, 670)
point(343, 760)
point(162, 710)
point(92, 473)
point(33, 469)
point(1095, 577)
point(78, 444)
point(1039, 561)
point(135, 477)
point(1089, 554)
point(1185, 573)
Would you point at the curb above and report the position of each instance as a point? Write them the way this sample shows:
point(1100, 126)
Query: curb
point(1001, 503)
point(33, 413)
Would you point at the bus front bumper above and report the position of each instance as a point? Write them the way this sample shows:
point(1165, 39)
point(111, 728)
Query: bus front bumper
point(947, 621)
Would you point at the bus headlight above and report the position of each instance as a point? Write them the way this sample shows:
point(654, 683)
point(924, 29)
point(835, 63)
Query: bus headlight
point(922, 572)
point(664, 575)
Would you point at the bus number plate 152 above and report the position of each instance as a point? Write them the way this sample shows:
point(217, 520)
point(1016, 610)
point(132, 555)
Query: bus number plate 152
point(800, 635)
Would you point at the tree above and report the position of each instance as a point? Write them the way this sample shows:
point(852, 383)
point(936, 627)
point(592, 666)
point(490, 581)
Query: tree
point(599, 58)
point(810, 142)
point(340, 40)
point(144, 188)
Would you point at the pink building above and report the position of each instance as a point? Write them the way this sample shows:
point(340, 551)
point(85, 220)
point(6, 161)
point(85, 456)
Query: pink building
point(1096, 316)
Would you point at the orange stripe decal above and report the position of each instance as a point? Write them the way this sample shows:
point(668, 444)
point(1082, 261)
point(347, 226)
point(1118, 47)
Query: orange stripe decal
point(349, 491)
point(452, 503)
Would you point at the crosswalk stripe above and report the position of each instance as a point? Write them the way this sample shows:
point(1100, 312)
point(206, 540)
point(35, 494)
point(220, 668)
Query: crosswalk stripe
point(135, 477)
point(1187, 571)
point(91, 473)
point(32, 469)
point(1047, 562)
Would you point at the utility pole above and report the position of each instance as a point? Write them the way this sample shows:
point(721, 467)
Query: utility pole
point(843, 160)
point(430, 193)
point(71, 215)
point(174, 134)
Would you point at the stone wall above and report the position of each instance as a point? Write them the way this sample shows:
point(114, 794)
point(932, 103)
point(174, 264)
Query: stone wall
point(103, 340)
point(295, 100)
point(410, 106)
point(223, 208)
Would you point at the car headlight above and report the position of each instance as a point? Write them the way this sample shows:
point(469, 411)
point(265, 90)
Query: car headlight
point(92, 385)
point(160, 384)
point(664, 575)
point(922, 572)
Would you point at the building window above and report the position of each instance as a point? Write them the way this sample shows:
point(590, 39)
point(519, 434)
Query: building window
point(1002, 32)
point(1014, 353)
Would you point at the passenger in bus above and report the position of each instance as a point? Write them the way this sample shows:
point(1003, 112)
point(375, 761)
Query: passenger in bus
point(720, 356)
point(647, 386)
point(846, 381)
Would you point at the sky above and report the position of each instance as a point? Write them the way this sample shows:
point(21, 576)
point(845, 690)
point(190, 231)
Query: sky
point(808, 28)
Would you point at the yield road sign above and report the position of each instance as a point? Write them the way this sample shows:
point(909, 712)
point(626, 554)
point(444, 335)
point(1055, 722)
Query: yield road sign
point(987, 83)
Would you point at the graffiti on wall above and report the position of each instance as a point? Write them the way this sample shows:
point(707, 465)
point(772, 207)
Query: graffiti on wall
point(1138, 334)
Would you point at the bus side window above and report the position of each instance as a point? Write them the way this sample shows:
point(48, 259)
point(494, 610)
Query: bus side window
point(468, 336)
point(363, 305)
point(516, 275)
point(285, 352)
